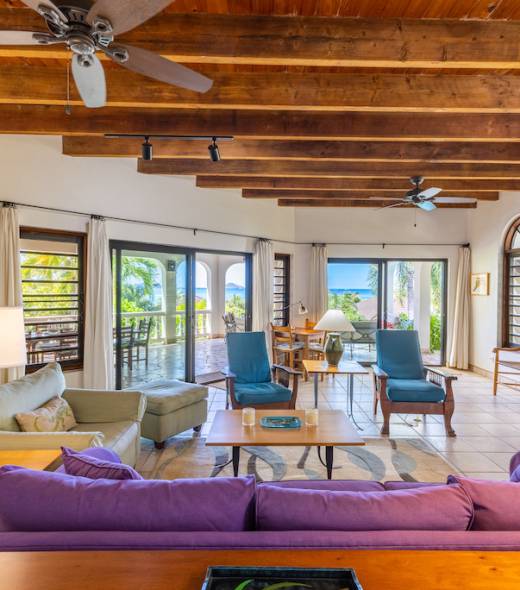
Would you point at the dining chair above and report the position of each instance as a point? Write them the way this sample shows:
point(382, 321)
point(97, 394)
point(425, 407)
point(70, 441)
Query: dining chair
point(285, 346)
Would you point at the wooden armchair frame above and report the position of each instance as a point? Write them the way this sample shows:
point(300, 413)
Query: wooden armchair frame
point(282, 375)
point(515, 365)
point(389, 407)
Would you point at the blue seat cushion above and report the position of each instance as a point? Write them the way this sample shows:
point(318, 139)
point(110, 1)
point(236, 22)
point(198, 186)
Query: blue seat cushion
point(414, 390)
point(261, 393)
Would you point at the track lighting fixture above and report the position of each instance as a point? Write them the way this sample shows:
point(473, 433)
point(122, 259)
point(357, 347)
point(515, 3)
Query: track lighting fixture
point(147, 149)
point(214, 152)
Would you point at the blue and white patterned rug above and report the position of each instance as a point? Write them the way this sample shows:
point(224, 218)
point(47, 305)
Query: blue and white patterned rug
point(407, 459)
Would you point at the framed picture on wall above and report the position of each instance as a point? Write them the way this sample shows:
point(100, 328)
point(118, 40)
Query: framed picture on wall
point(480, 283)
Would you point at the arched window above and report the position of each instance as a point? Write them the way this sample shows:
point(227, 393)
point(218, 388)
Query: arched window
point(511, 307)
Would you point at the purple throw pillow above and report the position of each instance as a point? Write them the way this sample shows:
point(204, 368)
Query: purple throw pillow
point(514, 464)
point(333, 485)
point(80, 464)
point(497, 503)
point(391, 486)
point(440, 508)
point(46, 501)
point(515, 476)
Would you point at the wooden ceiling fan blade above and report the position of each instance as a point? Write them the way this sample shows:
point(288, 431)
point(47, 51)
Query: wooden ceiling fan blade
point(429, 193)
point(154, 66)
point(18, 38)
point(427, 205)
point(35, 4)
point(90, 81)
point(125, 14)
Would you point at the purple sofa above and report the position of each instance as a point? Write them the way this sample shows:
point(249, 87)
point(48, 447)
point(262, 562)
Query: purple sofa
point(56, 511)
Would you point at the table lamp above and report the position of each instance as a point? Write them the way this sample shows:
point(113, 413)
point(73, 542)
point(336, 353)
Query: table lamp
point(334, 322)
point(13, 352)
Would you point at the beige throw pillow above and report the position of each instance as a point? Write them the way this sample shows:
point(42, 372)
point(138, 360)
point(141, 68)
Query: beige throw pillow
point(54, 416)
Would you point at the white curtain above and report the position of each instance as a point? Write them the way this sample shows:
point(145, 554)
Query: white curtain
point(98, 365)
point(10, 278)
point(263, 264)
point(459, 354)
point(318, 291)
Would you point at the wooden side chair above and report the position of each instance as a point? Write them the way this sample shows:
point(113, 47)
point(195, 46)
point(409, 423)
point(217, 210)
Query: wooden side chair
point(250, 381)
point(403, 385)
point(286, 350)
point(507, 362)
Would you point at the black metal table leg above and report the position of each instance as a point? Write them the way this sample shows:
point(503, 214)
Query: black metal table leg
point(236, 460)
point(329, 460)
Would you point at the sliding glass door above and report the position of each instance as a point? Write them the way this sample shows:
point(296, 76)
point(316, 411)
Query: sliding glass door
point(400, 294)
point(152, 306)
point(355, 288)
point(415, 299)
point(170, 311)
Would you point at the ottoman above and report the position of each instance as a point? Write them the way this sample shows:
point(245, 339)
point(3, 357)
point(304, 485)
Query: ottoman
point(172, 407)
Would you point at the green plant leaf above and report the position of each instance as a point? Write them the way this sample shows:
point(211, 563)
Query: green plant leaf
point(243, 584)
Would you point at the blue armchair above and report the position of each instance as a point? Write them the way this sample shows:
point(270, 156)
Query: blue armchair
point(403, 385)
point(250, 381)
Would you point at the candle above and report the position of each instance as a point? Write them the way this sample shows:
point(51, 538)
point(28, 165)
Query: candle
point(248, 417)
point(311, 417)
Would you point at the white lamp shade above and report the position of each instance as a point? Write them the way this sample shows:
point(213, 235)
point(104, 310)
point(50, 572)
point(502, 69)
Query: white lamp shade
point(334, 320)
point(13, 352)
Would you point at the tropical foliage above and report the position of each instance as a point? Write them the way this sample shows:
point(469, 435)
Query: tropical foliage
point(347, 302)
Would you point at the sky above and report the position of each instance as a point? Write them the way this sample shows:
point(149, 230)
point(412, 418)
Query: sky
point(348, 276)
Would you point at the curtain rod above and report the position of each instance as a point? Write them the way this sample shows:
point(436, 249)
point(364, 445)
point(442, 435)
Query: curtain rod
point(195, 230)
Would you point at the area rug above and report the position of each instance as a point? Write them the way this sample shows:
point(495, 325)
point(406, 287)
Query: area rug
point(407, 459)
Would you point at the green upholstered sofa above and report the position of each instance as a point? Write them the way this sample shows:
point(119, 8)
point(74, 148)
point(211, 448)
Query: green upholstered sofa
point(105, 418)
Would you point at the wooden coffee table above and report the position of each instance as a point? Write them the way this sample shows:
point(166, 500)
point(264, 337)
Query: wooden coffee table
point(186, 570)
point(334, 429)
point(38, 459)
point(350, 368)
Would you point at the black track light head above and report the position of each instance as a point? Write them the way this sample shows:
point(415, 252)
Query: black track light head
point(147, 149)
point(214, 152)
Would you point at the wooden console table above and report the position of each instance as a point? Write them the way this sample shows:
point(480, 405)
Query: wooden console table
point(185, 570)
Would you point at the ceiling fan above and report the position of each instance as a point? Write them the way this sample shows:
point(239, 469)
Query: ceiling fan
point(426, 199)
point(89, 26)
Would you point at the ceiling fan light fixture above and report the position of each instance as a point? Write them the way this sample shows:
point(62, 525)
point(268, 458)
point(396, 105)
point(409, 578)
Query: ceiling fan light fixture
point(214, 152)
point(147, 150)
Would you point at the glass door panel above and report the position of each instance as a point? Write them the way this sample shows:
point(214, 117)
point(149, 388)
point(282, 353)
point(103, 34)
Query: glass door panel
point(152, 301)
point(222, 304)
point(415, 300)
point(354, 287)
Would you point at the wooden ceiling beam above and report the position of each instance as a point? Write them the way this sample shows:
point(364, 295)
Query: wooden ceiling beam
point(359, 194)
point(32, 83)
point(351, 184)
point(372, 203)
point(315, 168)
point(307, 41)
point(88, 146)
point(258, 124)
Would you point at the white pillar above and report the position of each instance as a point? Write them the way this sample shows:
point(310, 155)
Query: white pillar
point(423, 286)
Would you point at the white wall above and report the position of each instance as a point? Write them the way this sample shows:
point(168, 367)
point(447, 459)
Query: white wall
point(487, 227)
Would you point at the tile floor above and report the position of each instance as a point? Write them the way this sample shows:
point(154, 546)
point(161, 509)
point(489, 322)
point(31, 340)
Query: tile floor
point(488, 428)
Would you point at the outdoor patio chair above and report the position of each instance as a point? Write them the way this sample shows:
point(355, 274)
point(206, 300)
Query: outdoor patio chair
point(404, 385)
point(250, 381)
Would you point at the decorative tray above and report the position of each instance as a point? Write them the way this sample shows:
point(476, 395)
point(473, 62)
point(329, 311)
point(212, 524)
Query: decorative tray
point(275, 578)
point(280, 422)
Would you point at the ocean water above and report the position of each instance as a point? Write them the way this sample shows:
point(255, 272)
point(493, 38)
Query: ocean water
point(361, 293)
point(202, 293)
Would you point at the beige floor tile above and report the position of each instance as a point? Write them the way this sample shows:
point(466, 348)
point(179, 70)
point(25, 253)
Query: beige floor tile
point(471, 462)
point(494, 475)
point(501, 459)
